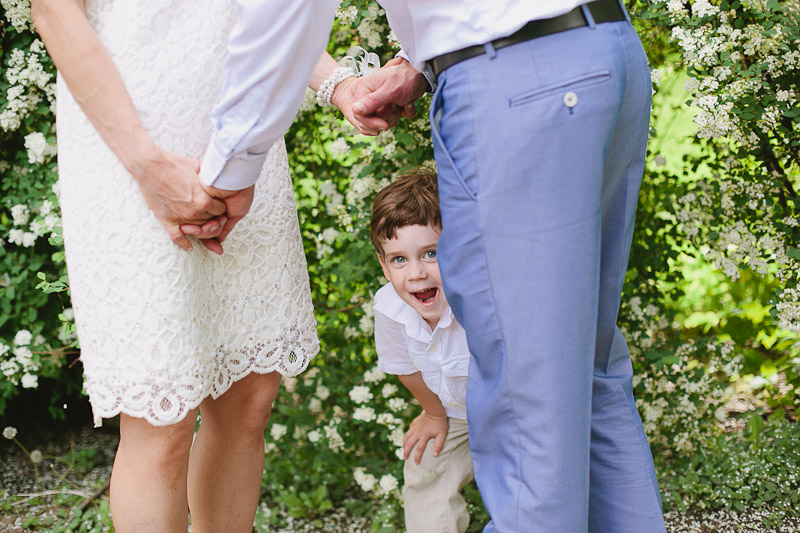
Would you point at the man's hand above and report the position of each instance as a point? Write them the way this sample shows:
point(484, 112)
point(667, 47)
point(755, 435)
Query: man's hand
point(349, 90)
point(387, 94)
point(171, 188)
point(422, 429)
point(214, 232)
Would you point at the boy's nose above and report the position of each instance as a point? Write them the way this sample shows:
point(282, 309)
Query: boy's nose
point(417, 271)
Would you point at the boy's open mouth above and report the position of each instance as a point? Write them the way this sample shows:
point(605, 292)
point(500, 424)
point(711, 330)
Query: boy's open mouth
point(426, 296)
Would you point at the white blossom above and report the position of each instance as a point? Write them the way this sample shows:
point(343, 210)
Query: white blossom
point(277, 431)
point(397, 436)
point(347, 15)
point(323, 392)
point(28, 239)
point(360, 394)
point(703, 8)
point(9, 432)
point(374, 375)
point(20, 214)
point(335, 441)
point(23, 337)
point(388, 420)
point(314, 436)
point(339, 147)
point(38, 148)
point(655, 76)
point(365, 414)
point(364, 480)
point(315, 406)
point(397, 404)
point(30, 381)
point(388, 483)
point(18, 13)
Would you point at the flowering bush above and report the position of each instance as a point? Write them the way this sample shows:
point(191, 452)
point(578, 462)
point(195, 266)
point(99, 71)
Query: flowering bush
point(31, 337)
point(734, 202)
point(336, 430)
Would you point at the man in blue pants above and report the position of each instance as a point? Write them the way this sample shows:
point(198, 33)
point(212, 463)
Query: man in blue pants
point(539, 118)
point(540, 140)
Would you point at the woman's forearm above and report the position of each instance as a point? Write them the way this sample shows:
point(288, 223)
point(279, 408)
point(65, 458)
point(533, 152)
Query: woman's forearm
point(322, 70)
point(92, 78)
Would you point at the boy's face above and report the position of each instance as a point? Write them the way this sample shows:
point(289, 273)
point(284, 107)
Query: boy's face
point(409, 263)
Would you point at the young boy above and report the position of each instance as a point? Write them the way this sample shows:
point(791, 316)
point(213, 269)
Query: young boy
point(417, 338)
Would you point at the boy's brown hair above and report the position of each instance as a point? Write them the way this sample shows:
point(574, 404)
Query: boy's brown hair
point(410, 200)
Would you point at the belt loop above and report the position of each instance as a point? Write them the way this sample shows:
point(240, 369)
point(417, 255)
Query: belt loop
point(587, 14)
point(490, 51)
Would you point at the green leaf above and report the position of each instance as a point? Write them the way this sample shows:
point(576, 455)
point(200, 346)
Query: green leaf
point(755, 425)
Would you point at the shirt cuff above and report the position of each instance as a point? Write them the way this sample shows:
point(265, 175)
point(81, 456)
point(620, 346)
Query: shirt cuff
point(233, 173)
point(425, 72)
point(397, 369)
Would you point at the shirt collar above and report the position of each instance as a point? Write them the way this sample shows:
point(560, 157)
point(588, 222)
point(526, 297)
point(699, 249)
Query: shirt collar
point(388, 302)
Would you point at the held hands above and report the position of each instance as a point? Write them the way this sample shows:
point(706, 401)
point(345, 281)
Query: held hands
point(375, 102)
point(184, 206)
point(213, 232)
point(171, 188)
point(423, 428)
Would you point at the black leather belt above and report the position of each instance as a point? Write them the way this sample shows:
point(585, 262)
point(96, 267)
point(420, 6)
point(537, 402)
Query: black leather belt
point(601, 10)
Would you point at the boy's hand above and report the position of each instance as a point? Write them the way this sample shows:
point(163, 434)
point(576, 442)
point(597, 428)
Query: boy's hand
point(422, 429)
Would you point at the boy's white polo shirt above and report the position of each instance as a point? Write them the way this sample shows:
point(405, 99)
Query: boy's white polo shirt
point(405, 344)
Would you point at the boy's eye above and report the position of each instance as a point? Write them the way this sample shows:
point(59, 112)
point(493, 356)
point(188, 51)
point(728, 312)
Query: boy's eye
point(399, 259)
point(430, 254)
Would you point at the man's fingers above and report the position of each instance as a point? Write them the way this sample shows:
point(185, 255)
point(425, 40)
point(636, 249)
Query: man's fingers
point(371, 102)
point(374, 123)
point(409, 111)
point(214, 206)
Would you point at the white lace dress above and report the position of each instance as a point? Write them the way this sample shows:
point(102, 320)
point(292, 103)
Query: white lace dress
point(160, 328)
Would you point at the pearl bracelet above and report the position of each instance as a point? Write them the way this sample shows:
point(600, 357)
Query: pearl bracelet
point(325, 91)
point(359, 63)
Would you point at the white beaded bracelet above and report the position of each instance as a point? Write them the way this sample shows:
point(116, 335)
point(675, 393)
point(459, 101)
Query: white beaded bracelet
point(325, 91)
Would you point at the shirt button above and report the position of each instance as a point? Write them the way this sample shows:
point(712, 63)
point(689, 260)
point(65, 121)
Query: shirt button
point(432, 348)
point(570, 99)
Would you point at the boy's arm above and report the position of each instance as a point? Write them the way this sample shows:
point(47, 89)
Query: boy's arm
point(430, 424)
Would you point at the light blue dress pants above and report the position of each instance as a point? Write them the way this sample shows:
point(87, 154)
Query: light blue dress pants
point(540, 150)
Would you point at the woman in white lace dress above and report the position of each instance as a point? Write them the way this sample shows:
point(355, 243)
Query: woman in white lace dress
point(163, 331)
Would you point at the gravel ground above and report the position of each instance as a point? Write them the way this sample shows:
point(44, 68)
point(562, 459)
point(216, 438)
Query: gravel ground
point(17, 478)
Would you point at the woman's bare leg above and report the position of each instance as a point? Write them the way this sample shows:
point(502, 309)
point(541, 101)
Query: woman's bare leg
point(227, 458)
point(148, 481)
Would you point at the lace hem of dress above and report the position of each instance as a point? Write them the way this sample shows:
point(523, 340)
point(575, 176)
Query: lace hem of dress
point(164, 402)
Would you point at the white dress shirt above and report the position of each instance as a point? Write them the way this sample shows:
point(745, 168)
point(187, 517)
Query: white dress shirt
point(276, 43)
point(405, 345)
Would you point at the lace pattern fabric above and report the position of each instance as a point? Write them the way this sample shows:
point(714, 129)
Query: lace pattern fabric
point(160, 328)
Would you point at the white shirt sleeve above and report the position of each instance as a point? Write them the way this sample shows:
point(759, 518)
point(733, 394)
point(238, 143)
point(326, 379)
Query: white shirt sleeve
point(272, 50)
point(392, 347)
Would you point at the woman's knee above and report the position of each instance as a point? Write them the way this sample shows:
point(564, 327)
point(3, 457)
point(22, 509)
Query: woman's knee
point(165, 446)
point(246, 406)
